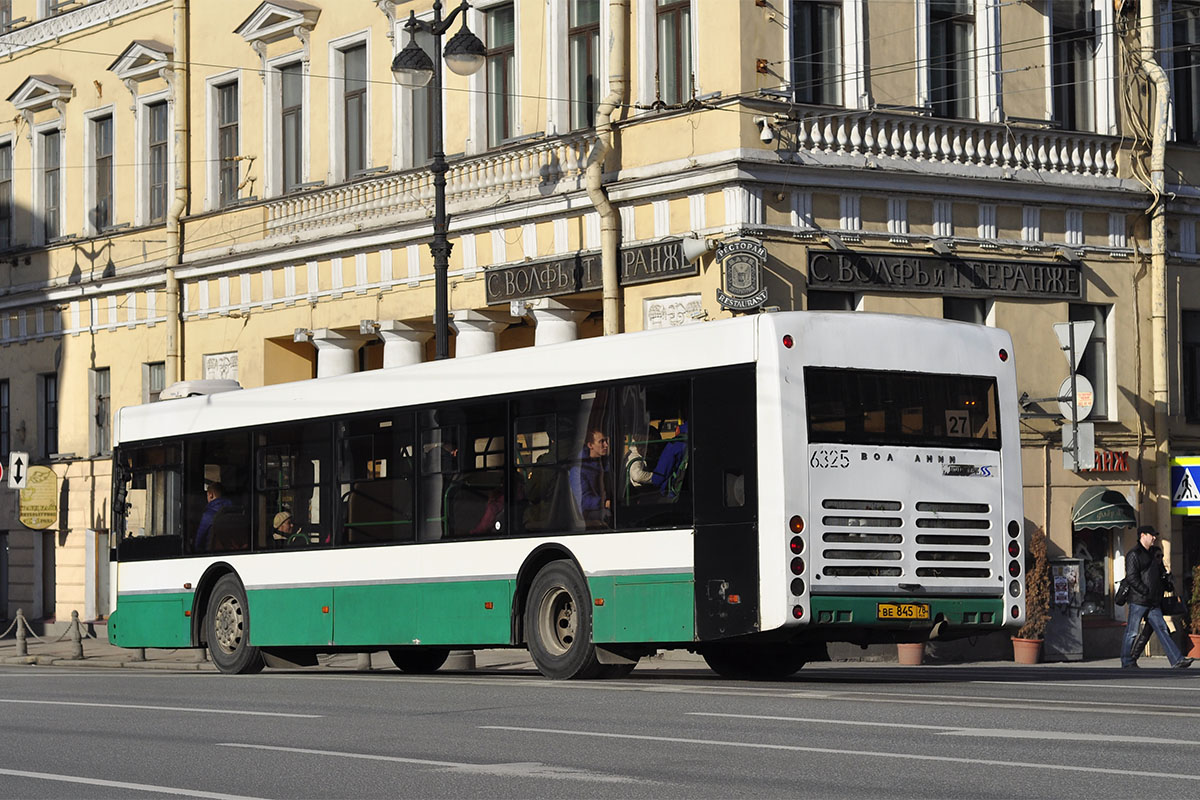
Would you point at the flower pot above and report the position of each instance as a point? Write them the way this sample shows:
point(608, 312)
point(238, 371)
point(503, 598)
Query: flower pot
point(1195, 651)
point(1027, 651)
point(911, 654)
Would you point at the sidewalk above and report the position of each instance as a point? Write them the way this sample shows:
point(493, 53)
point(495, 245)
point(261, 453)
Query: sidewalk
point(97, 652)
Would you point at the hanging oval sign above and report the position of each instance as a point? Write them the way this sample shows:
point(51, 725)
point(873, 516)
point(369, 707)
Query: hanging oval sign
point(38, 501)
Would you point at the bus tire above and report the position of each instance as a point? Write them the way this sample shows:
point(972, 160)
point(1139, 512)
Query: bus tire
point(558, 624)
point(761, 662)
point(419, 660)
point(227, 625)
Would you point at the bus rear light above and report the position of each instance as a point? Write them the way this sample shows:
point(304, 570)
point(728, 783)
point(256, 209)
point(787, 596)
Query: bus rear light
point(797, 586)
point(1015, 611)
point(798, 612)
point(1014, 568)
point(187, 586)
point(1014, 588)
point(734, 599)
point(797, 566)
point(788, 341)
point(488, 605)
point(1014, 548)
point(1003, 354)
point(796, 524)
point(187, 613)
point(1014, 528)
point(797, 545)
point(599, 601)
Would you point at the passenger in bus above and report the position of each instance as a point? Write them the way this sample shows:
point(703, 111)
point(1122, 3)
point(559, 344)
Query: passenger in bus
point(638, 473)
point(285, 530)
point(217, 502)
point(672, 464)
point(590, 480)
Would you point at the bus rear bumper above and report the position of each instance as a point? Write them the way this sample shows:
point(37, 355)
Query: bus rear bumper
point(915, 618)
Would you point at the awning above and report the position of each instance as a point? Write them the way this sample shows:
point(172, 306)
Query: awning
point(1102, 507)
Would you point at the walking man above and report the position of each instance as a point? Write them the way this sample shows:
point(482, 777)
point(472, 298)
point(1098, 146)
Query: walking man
point(1146, 576)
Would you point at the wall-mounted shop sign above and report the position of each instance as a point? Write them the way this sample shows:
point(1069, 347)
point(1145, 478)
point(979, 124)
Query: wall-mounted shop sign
point(1109, 461)
point(901, 272)
point(580, 272)
point(38, 501)
point(742, 262)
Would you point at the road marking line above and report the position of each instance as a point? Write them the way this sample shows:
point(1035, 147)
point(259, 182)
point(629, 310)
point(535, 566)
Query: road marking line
point(138, 787)
point(520, 769)
point(856, 753)
point(165, 708)
point(955, 730)
point(1154, 685)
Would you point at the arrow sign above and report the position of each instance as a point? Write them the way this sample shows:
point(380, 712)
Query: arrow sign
point(17, 472)
point(1083, 332)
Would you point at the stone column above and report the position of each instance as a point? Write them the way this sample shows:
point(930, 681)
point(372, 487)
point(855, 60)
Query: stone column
point(403, 342)
point(554, 322)
point(337, 352)
point(475, 332)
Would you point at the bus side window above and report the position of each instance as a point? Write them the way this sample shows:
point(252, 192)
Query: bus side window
point(375, 480)
point(292, 472)
point(655, 454)
point(217, 491)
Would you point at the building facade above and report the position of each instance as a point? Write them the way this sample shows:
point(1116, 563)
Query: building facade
point(247, 195)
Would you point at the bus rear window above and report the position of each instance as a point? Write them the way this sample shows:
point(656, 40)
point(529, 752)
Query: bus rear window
point(874, 407)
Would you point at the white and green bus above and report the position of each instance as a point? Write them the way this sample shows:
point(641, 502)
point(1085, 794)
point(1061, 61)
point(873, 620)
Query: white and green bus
point(749, 489)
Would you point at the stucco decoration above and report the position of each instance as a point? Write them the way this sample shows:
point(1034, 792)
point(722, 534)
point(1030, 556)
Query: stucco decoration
point(104, 12)
point(143, 60)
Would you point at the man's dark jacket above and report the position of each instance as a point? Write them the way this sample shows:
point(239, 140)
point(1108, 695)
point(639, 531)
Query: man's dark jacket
point(1146, 575)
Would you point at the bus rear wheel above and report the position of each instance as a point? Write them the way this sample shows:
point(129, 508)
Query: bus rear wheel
point(227, 625)
point(558, 624)
point(419, 660)
point(758, 662)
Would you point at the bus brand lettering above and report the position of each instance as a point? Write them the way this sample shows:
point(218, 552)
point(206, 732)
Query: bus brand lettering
point(967, 470)
point(931, 459)
point(877, 457)
point(830, 459)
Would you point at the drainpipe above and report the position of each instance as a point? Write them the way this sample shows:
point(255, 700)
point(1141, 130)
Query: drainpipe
point(1158, 264)
point(610, 223)
point(173, 360)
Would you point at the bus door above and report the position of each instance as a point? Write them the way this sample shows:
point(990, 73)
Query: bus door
point(724, 488)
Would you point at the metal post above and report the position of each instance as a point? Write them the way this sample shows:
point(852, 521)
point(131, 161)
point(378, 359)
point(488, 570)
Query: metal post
point(1074, 398)
point(441, 241)
point(364, 662)
point(76, 637)
point(22, 639)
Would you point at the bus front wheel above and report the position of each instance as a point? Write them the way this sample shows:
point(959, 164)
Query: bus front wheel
point(558, 623)
point(762, 662)
point(419, 660)
point(228, 629)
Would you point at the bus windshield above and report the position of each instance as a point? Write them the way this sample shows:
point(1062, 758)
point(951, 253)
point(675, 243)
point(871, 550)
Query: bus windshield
point(909, 409)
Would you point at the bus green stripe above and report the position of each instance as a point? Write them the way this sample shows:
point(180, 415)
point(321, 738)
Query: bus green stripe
point(152, 620)
point(982, 612)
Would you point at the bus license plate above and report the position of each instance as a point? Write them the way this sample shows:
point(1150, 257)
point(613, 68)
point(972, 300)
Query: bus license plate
point(903, 611)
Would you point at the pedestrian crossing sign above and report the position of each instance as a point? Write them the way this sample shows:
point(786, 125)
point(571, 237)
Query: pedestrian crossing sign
point(1185, 485)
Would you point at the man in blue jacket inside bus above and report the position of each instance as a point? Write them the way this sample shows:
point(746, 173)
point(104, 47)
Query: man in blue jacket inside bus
point(589, 480)
point(217, 503)
point(672, 464)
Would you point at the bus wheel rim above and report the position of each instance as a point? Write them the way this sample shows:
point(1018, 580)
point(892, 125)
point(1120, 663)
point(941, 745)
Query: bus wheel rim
point(556, 621)
point(228, 625)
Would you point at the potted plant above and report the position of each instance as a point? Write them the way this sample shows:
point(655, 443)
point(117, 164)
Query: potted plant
point(1027, 644)
point(1194, 614)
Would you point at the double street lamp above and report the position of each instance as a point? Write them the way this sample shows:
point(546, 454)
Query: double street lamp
point(413, 67)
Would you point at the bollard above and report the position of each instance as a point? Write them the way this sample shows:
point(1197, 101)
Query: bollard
point(364, 662)
point(22, 645)
point(76, 638)
point(139, 654)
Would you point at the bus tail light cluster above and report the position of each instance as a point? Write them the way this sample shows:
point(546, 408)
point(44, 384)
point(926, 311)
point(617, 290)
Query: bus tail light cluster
point(1014, 566)
point(796, 548)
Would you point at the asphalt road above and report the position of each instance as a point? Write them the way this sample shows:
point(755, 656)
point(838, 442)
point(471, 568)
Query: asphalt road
point(850, 731)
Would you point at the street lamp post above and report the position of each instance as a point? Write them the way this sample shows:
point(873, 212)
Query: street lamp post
point(414, 68)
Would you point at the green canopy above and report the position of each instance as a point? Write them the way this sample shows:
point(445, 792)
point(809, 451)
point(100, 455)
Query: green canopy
point(1102, 507)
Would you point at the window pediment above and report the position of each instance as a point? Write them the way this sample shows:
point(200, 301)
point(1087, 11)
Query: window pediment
point(39, 92)
point(280, 19)
point(142, 60)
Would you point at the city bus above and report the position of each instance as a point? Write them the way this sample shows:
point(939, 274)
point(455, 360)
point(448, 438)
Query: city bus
point(749, 489)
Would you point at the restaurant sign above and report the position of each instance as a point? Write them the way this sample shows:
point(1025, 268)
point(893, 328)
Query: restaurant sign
point(903, 272)
point(580, 272)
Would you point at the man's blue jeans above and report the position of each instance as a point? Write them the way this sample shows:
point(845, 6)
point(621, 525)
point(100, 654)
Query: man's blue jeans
point(1154, 614)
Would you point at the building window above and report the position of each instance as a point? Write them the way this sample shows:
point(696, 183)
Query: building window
point(354, 109)
point(1073, 42)
point(5, 15)
point(965, 309)
point(51, 184)
point(6, 195)
point(157, 133)
point(830, 300)
point(1095, 362)
point(1186, 71)
point(583, 45)
point(291, 92)
point(228, 113)
point(5, 441)
point(48, 384)
point(101, 410)
point(501, 73)
point(102, 160)
point(817, 52)
point(1191, 365)
point(951, 39)
point(673, 23)
point(154, 376)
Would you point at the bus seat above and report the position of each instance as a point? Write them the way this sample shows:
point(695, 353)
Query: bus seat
point(230, 531)
point(379, 511)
